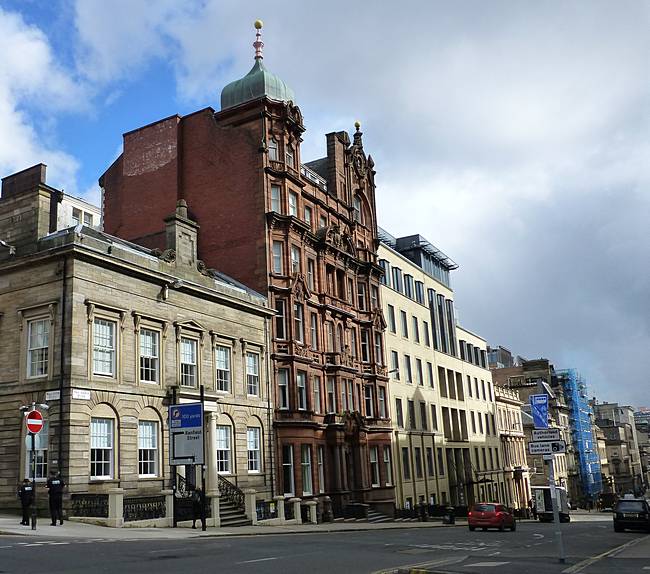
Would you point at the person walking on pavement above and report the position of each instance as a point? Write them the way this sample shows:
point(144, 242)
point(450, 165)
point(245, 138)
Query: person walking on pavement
point(55, 486)
point(533, 508)
point(26, 495)
point(198, 507)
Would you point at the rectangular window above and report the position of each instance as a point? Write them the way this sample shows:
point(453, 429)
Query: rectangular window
point(305, 463)
point(308, 215)
point(101, 449)
point(430, 469)
point(374, 466)
point(394, 359)
point(298, 323)
point(406, 463)
point(388, 468)
point(418, 462)
point(189, 363)
point(275, 199)
point(381, 399)
point(385, 278)
point(416, 330)
point(419, 292)
point(472, 419)
point(149, 356)
point(277, 257)
point(41, 441)
point(370, 411)
point(317, 394)
point(423, 415)
point(321, 469)
point(469, 385)
point(408, 286)
point(361, 296)
point(76, 216)
point(425, 328)
point(483, 390)
point(391, 319)
point(322, 221)
point(104, 347)
point(397, 279)
point(301, 386)
point(289, 156)
point(147, 448)
point(379, 352)
point(398, 413)
point(353, 342)
point(405, 324)
point(374, 297)
point(331, 395)
point(253, 373)
point(88, 218)
point(430, 374)
point(293, 203)
point(441, 463)
point(311, 274)
point(283, 388)
point(224, 444)
point(408, 375)
point(313, 331)
point(280, 319)
point(38, 342)
point(411, 409)
point(253, 442)
point(434, 417)
point(418, 372)
point(351, 402)
point(295, 259)
point(365, 346)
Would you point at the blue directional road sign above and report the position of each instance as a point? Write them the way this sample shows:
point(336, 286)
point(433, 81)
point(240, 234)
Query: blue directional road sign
point(186, 434)
point(539, 410)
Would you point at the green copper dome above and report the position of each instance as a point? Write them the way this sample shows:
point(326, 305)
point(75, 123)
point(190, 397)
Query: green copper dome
point(257, 83)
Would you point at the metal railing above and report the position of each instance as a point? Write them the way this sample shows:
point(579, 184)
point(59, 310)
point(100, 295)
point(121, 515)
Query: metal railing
point(231, 493)
point(90, 505)
point(144, 508)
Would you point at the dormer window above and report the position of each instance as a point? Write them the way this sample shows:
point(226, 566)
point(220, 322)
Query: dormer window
point(273, 150)
point(290, 158)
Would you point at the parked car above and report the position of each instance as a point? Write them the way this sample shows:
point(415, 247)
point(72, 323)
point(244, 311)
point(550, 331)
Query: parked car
point(491, 515)
point(632, 513)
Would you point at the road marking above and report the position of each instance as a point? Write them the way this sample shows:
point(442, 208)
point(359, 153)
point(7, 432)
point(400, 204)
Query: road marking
point(258, 560)
point(431, 563)
point(613, 552)
point(58, 543)
point(485, 564)
point(10, 546)
point(538, 535)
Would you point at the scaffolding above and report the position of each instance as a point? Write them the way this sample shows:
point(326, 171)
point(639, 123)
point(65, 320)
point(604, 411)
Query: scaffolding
point(581, 419)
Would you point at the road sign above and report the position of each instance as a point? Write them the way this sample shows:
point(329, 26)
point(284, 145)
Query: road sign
point(186, 434)
point(546, 434)
point(34, 421)
point(548, 447)
point(539, 410)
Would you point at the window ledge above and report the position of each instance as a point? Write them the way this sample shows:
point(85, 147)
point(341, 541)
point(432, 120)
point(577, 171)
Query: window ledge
point(103, 481)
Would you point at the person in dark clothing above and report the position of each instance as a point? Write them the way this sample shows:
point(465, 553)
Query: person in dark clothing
point(55, 486)
point(533, 508)
point(26, 495)
point(198, 507)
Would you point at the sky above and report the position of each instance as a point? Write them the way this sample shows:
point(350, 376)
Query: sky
point(515, 136)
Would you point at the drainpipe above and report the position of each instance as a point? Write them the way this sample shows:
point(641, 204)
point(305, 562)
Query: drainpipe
point(269, 403)
point(64, 293)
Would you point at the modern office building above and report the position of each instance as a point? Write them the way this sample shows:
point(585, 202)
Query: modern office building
point(304, 234)
point(445, 436)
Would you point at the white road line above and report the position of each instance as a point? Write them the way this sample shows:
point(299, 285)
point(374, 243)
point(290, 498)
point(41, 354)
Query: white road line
point(10, 546)
point(258, 560)
point(613, 552)
point(538, 535)
point(58, 543)
point(485, 564)
point(34, 544)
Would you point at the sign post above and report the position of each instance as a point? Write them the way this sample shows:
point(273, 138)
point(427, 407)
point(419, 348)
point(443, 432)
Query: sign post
point(556, 512)
point(539, 410)
point(186, 434)
point(34, 423)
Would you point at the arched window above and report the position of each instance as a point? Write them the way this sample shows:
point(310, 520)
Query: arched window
point(40, 452)
point(224, 445)
point(148, 444)
point(103, 443)
point(357, 211)
point(273, 150)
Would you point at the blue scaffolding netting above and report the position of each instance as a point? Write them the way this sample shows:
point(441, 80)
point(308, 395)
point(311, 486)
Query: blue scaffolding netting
point(581, 419)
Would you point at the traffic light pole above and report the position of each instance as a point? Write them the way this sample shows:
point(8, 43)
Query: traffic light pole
point(556, 511)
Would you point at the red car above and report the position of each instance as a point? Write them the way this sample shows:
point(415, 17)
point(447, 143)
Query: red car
point(491, 515)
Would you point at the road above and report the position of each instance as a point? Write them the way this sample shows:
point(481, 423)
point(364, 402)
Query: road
point(531, 548)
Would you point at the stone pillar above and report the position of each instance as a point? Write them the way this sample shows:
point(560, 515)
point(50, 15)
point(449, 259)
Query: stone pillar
point(251, 509)
point(169, 506)
point(328, 515)
point(311, 505)
point(279, 504)
point(212, 480)
point(215, 498)
point(115, 508)
point(296, 510)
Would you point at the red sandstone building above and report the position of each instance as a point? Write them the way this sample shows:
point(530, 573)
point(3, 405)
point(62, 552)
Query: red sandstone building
point(303, 234)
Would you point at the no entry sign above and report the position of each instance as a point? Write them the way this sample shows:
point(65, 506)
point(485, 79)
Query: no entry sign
point(34, 421)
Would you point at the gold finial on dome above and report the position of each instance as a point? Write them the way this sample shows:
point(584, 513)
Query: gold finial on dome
point(258, 24)
point(357, 124)
point(258, 44)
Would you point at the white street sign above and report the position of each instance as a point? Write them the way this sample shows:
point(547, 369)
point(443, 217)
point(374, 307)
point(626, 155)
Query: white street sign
point(52, 396)
point(186, 434)
point(546, 434)
point(549, 447)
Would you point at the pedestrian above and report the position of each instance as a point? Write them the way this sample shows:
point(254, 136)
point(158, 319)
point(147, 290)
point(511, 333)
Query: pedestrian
point(55, 486)
point(198, 507)
point(533, 508)
point(26, 495)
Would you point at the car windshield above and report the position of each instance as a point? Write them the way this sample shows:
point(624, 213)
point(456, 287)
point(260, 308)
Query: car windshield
point(484, 508)
point(630, 506)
